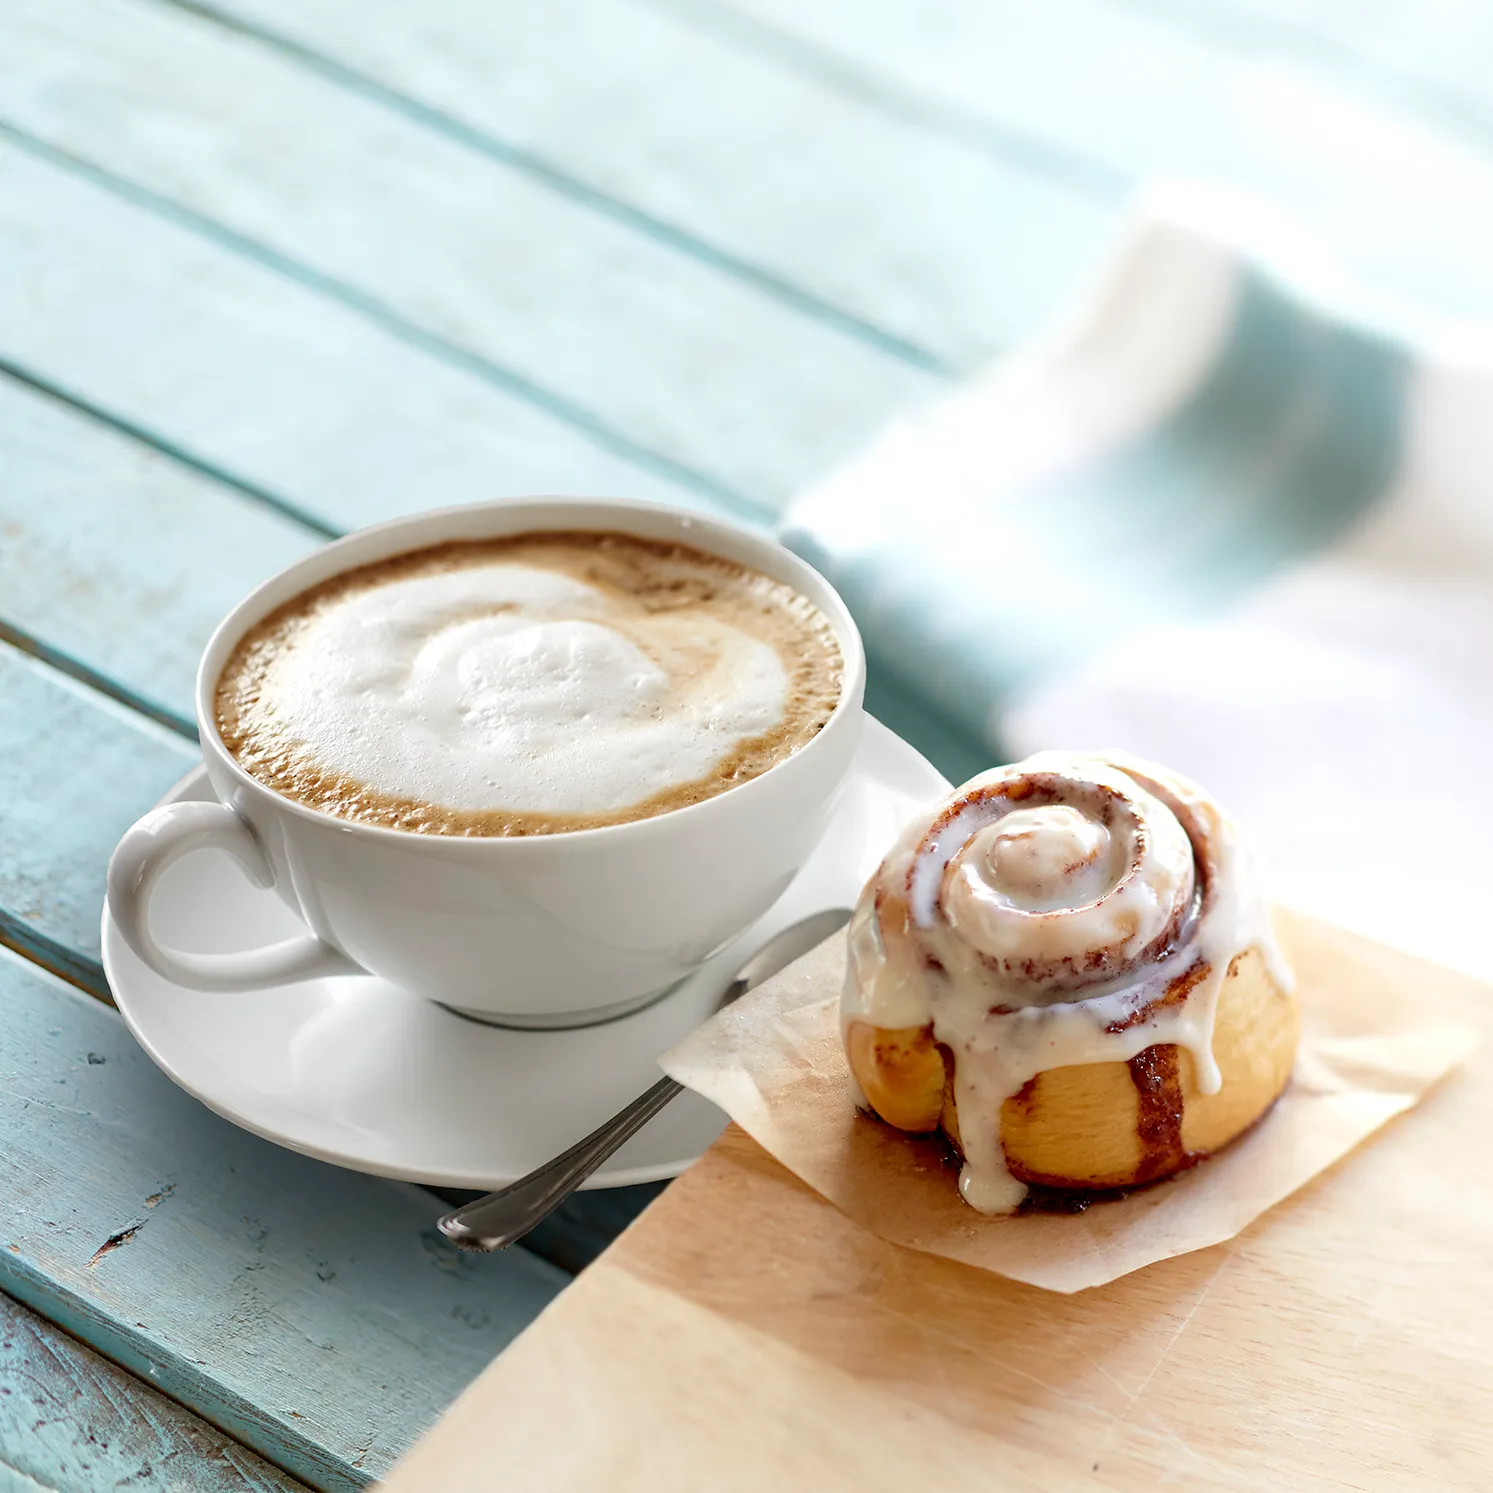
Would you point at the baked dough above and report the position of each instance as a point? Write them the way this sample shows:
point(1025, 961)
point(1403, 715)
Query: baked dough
point(1066, 967)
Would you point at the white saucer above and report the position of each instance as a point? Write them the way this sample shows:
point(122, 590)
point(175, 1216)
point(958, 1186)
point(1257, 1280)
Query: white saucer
point(357, 1072)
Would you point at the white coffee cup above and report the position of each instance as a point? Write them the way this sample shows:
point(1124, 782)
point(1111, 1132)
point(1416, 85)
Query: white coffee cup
point(536, 931)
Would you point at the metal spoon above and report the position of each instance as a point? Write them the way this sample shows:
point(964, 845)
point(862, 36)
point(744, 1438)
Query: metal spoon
point(497, 1220)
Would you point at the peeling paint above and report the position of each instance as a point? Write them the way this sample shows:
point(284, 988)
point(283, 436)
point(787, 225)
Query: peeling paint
point(113, 1242)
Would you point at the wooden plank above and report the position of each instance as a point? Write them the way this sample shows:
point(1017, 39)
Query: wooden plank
point(480, 264)
point(79, 769)
point(626, 106)
point(228, 363)
point(312, 1313)
point(72, 1421)
point(1122, 94)
point(14, 1481)
point(120, 557)
point(1430, 56)
point(1340, 1343)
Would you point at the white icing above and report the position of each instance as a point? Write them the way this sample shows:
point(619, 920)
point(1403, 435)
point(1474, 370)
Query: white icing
point(1010, 901)
point(506, 686)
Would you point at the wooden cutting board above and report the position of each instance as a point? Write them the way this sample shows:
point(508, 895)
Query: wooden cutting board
point(744, 1334)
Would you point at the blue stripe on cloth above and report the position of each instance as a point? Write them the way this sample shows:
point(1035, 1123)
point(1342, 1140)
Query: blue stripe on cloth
point(1294, 432)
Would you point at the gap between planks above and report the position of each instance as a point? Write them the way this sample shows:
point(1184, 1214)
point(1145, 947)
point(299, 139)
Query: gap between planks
point(177, 453)
point(1034, 152)
point(391, 321)
point(312, 1313)
point(71, 1420)
point(568, 185)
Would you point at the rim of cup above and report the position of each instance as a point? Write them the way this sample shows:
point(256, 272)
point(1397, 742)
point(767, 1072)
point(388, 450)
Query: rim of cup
point(720, 537)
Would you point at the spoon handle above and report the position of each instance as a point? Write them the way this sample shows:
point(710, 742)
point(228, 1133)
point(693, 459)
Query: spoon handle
point(495, 1221)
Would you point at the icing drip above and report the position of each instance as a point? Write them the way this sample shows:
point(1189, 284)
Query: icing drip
point(1065, 910)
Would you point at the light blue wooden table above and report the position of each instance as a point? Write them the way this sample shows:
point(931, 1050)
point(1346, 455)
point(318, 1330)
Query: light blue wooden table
point(272, 269)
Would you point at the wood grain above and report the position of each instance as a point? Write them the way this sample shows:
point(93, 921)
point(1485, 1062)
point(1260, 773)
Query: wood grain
point(492, 270)
point(120, 557)
point(912, 233)
point(262, 376)
point(72, 1421)
point(745, 1334)
point(1118, 94)
point(312, 1313)
point(77, 771)
point(1431, 59)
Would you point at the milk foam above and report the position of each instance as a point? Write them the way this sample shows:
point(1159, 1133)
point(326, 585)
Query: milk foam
point(508, 686)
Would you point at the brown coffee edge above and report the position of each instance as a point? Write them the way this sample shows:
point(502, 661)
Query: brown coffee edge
point(607, 559)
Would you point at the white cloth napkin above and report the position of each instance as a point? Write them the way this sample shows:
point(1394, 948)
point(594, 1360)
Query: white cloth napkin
point(1234, 517)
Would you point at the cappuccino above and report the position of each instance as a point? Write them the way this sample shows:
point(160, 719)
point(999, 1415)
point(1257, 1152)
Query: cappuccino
point(532, 684)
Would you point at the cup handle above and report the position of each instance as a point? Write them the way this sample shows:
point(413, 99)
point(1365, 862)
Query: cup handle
point(162, 837)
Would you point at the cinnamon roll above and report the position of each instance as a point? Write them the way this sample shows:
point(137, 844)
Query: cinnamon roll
point(1068, 968)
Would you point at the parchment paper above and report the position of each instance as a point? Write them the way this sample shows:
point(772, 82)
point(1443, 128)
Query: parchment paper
point(1371, 1048)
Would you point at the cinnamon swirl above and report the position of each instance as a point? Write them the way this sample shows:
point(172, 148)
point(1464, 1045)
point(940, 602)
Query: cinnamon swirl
point(1068, 968)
